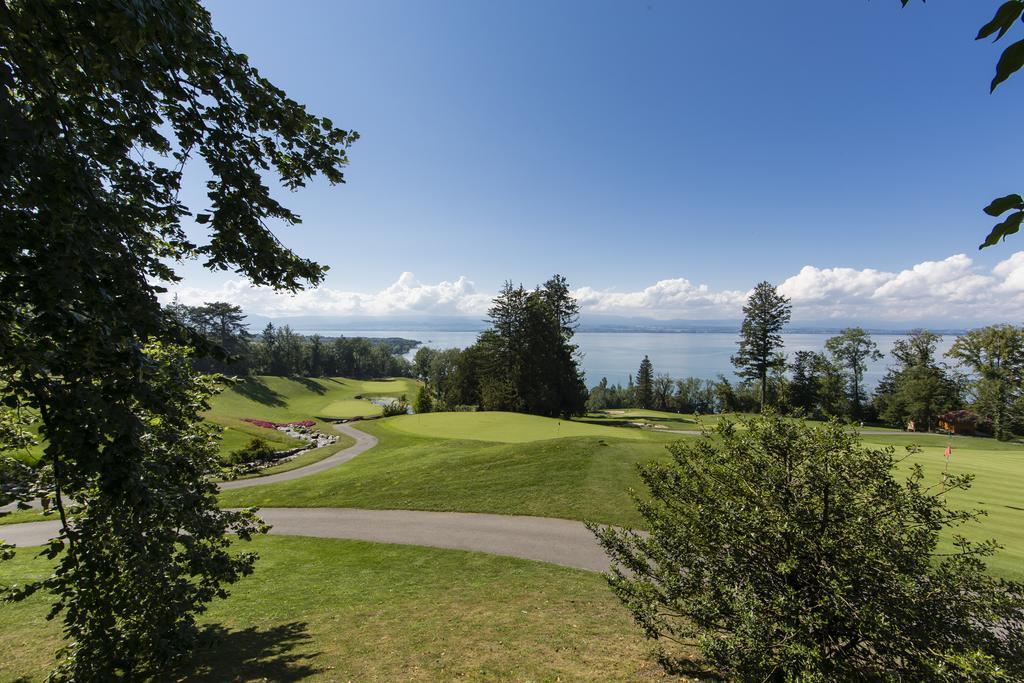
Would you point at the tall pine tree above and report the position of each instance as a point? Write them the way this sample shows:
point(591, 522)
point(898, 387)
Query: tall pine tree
point(764, 316)
point(644, 383)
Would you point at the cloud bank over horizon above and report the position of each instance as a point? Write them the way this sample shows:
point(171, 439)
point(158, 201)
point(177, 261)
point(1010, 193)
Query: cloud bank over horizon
point(953, 289)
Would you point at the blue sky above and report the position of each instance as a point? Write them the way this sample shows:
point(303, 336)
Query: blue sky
point(627, 143)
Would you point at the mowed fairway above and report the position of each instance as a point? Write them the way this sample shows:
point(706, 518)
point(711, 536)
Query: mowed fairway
point(498, 426)
point(330, 610)
point(481, 462)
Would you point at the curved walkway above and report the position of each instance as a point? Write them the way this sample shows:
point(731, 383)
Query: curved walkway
point(363, 443)
point(545, 539)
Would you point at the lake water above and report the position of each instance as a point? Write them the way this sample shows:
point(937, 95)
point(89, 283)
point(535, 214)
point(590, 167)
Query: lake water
point(616, 355)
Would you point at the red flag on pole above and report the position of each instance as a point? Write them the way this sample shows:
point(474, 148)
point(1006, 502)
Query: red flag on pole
point(949, 451)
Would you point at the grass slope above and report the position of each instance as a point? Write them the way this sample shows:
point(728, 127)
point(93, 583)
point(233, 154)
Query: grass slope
point(288, 399)
point(575, 477)
point(329, 610)
point(285, 399)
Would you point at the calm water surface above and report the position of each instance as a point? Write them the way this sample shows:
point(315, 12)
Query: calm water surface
point(616, 355)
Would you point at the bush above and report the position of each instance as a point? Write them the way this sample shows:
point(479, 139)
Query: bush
point(256, 450)
point(788, 552)
point(399, 407)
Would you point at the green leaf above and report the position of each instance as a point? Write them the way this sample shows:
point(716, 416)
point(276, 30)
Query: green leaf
point(1001, 231)
point(1009, 62)
point(1004, 204)
point(1007, 13)
point(202, 218)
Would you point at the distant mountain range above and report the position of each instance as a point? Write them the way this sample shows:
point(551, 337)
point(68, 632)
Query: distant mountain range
point(588, 323)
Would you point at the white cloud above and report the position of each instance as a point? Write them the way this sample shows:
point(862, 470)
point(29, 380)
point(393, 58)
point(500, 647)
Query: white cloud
point(665, 298)
point(405, 296)
point(1011, 271)
point(953, 289)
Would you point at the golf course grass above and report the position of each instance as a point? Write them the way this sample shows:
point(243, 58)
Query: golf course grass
point(500, 427)
point(290, 399)
point(285, 399)
point(487, 462)
point(332, 610)
point(998, 488)
point(657, 420)
point(574, 477)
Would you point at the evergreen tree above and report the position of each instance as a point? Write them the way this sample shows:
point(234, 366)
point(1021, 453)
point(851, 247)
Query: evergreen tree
point(424, 403)
point(851, 349)
point(527, 362)
point(764, 316)
point(645, 384)
point(803, 387)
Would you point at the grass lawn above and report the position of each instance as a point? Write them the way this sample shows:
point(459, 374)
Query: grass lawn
point(575, 477)
point(658, 420)
point(330, 610)
point(500, 427)
point(285, 399)
point(998, 488)
point(19, 516)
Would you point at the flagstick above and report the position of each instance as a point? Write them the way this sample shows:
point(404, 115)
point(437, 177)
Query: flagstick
point(945, 470)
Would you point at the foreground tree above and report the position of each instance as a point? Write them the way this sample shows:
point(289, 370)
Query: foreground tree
point(788, 552)
point(995, 355)
point(103, 105)
point(851, 349)
point(764, 315)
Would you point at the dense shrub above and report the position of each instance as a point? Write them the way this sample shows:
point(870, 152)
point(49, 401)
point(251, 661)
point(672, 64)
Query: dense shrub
point(788, 552)
point(398, 407)
point(257, 450)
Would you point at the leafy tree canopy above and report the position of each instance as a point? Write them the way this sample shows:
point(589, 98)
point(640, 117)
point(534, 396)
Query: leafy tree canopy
point(102, 106)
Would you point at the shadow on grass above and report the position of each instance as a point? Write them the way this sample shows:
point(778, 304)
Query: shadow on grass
point(310, 384)
point(252, 654)
point(255, 390)
point(689, 667)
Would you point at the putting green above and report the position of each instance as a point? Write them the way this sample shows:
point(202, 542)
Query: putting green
point(502, 427)
point(350, 408)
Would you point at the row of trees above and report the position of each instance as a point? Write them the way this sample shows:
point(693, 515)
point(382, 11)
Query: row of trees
point(525, 362)
point(985, 374)
point(281, 351)
point(917, 388)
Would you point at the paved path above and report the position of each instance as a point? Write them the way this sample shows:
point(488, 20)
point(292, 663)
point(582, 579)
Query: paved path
point(559, 541)
point(363, 443)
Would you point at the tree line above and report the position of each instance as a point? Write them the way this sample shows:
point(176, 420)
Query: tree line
point(282, 351)
point(524, 362)
point(982, 386)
